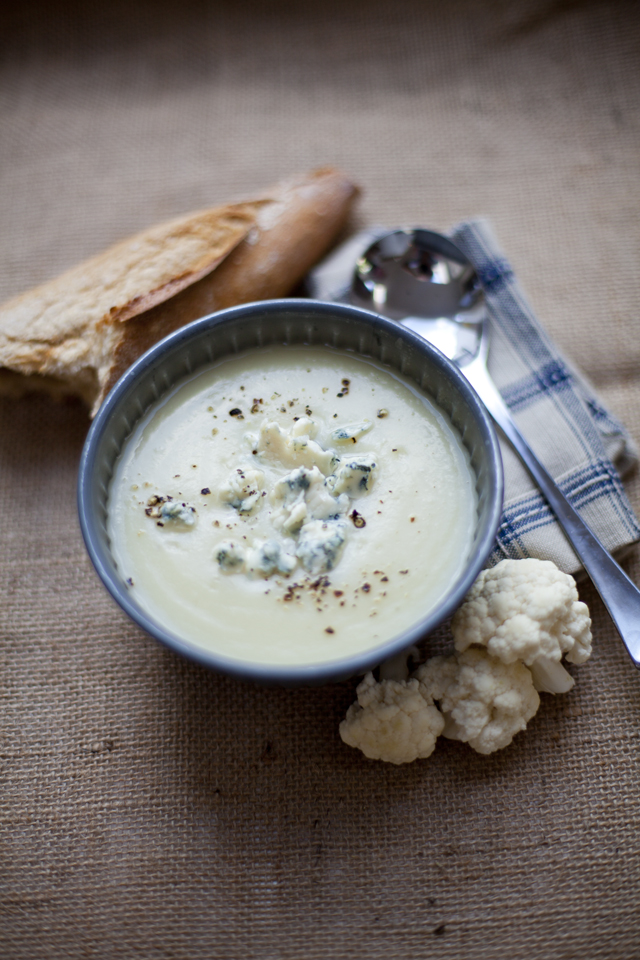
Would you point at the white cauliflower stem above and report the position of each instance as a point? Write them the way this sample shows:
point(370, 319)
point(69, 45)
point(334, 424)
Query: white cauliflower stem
point(485, 702)
point(392, 720)
point(527, 610)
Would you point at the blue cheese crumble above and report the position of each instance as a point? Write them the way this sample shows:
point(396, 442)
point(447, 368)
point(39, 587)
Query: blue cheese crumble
point(308, 505)
point(167, 510)
point(353, 476)
point(230, 557)
point(262, 560)
point(320, 545)
point(302, 495)
point(295, 446)
point(351, 432)
point(271, 557)
point(243, 490)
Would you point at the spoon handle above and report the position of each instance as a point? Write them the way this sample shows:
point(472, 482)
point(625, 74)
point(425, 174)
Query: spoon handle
point(619, 594)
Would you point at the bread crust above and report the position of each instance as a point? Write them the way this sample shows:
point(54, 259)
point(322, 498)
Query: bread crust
point(83, 329)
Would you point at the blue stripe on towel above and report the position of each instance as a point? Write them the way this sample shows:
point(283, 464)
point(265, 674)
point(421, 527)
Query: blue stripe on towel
point(595, 481)
point(494, 274)
point(551, 377)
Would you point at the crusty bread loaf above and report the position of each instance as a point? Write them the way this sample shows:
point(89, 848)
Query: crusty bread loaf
point(64, 331)
point(79, 332)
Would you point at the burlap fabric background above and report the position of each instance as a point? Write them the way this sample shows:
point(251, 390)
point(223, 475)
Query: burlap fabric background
point(153, 809)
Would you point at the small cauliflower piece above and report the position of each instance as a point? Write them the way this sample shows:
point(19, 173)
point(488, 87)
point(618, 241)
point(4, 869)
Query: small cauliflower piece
point(243, 490)
point(392, 721)
point(527, 610)
point(484, 701)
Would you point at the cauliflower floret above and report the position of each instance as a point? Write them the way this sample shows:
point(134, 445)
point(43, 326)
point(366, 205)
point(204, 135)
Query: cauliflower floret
point(485, 702)
point(527, 610)
point(521, 612)
point(392, 720)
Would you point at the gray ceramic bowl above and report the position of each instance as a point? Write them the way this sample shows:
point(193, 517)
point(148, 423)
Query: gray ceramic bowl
point(286, 322)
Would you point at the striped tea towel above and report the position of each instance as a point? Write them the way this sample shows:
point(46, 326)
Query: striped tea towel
point(580, 443)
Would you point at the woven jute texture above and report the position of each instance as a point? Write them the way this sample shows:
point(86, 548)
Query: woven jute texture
point(150, 808)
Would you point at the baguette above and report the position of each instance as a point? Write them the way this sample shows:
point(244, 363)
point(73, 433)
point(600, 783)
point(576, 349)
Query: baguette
point(78, 333)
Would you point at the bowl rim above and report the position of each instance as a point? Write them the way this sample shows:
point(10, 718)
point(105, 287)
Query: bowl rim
point(265, 673)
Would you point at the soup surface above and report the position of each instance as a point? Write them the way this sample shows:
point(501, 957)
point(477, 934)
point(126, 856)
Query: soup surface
point(291, 506)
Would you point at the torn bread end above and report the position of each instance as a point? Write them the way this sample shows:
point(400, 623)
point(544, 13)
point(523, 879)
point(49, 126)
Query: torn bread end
point(81, 331)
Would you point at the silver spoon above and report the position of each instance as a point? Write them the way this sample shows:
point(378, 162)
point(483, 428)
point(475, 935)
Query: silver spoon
point(424, 281)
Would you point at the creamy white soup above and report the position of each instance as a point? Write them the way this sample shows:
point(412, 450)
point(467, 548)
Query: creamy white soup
point(291, 506)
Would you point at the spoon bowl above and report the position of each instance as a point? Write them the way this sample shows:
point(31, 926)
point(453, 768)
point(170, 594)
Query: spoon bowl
point(423, 281)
